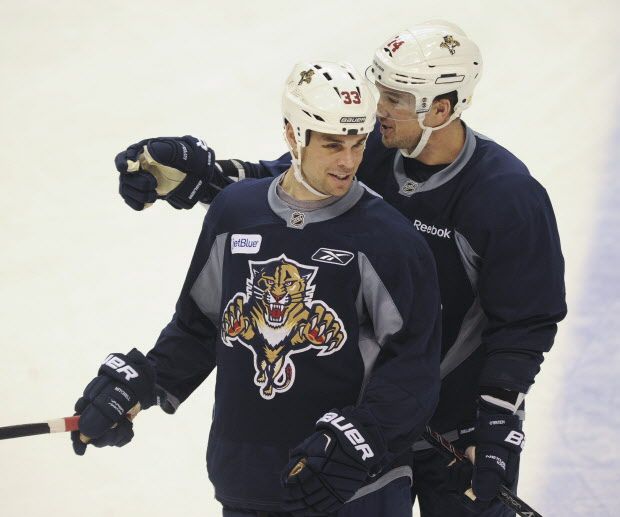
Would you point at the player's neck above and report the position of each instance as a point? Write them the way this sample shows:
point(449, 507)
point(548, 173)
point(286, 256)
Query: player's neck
point(296, 190)
point(444, 145)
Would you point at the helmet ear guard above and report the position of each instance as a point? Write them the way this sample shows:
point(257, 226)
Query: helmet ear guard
point(328, 98)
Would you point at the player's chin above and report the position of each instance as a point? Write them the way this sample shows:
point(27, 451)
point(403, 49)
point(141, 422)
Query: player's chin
point(339, 183)
point(388, 140)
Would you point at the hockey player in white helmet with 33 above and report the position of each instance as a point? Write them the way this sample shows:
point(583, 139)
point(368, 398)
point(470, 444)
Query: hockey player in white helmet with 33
point(319, 305)
point(492, 231)
point(313, 100)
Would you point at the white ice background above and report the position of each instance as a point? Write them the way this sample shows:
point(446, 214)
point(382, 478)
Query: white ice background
point(82, 275)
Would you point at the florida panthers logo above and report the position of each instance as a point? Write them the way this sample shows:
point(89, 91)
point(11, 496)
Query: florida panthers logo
point(276, 318)
point(450, 43)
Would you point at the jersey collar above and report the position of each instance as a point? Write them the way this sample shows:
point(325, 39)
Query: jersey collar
point(298, 218)
point(407, 187)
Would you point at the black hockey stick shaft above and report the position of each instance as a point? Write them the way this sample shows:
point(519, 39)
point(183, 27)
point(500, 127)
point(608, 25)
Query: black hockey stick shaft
point(58, 425)
point(505, 495)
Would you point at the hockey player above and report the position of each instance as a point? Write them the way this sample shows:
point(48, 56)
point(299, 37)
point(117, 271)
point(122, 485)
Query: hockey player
point(492, 231)
point(319, 305)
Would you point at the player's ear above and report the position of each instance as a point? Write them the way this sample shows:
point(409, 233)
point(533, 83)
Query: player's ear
point(442, 109)
point(289, 133)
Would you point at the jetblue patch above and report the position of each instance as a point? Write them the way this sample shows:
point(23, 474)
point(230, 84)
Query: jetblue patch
point(338, 257)
point(245, 243)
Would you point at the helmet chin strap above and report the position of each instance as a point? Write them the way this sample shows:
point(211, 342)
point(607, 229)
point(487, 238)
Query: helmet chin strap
point(296, 163)
point(426, 134)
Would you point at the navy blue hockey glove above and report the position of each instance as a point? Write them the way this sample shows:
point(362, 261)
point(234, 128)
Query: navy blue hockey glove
point(498, 441)
point(123, 383)
point(329, 466)
point(177, 169)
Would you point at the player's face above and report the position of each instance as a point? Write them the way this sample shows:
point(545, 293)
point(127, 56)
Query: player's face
point(329, 162)
point(399, 122)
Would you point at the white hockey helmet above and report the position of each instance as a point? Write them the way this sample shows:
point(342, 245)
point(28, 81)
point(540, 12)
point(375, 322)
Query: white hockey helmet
point(329, 98)
point(428, 60)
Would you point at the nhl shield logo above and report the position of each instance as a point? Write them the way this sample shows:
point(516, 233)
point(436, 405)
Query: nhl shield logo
point(297, 219)
point(409, 188)
point(450, 43)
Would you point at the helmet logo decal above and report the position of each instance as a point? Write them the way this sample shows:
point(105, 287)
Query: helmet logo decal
point(276, 318)
point(450, 43)
point(306, 76)
point(352, 120)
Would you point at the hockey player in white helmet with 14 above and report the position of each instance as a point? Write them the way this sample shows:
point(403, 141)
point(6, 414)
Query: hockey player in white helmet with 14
point(319, 305)
point(413, 72)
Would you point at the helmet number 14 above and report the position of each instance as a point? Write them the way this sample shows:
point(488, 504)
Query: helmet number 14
point(395, 44)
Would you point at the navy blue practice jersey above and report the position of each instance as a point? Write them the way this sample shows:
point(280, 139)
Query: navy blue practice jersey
point(302, 312)
point(492, 231)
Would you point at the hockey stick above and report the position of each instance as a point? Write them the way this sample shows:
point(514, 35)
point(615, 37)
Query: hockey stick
point(58, 425)
point(505, 495)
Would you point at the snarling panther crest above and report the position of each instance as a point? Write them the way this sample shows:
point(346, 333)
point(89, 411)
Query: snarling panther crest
point(277, 317)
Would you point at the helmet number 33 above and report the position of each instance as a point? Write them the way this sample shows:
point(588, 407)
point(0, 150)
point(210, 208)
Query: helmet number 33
point(351, 97)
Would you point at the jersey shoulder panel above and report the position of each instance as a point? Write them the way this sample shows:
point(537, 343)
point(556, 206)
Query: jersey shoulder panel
point(241, 203)
point(500, 191)
point(388, 230)
point(278, 166)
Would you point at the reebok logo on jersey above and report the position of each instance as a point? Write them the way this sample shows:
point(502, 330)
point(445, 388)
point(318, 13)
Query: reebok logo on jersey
point(247, 244)
point(432, 230)
point(338, 257)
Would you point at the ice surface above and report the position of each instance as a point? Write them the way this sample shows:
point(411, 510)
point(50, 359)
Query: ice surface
point(81, 275)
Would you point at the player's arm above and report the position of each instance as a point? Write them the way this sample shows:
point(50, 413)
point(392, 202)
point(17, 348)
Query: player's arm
point(521, 289)
point(400, 295)
point(183, 171)
point(184, 353)
point(400, 292)
point(182, 358)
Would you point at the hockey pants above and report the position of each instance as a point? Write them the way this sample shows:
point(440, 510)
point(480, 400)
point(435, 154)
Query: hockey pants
point(393, 500)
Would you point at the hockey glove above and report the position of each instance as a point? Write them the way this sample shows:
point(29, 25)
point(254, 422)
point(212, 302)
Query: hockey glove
point(177, 169)
point(123, 381)
point(327, 468)
point(498, 443)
